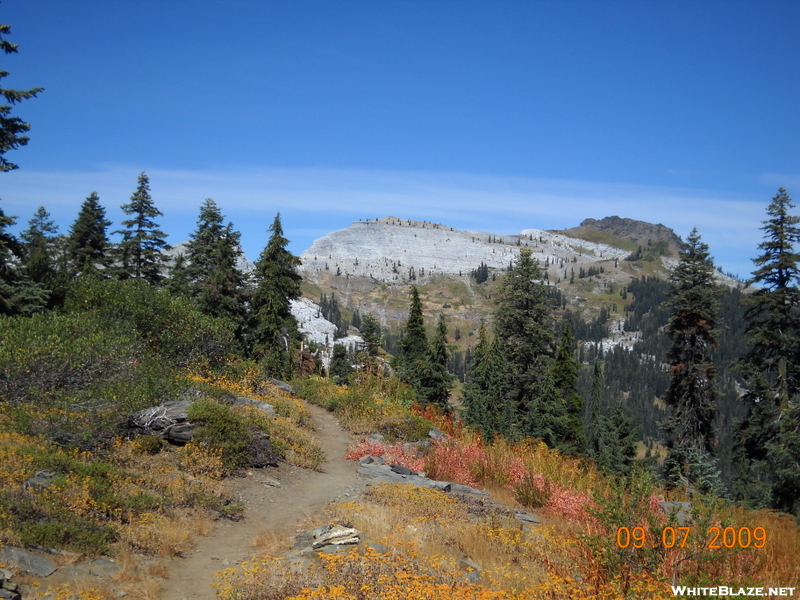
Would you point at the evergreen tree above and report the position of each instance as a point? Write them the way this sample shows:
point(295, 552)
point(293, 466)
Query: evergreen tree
point(39, 238)
point(546, 416)
point(610, 436)
point(414, 361)
point(11, 128)
point(18, 294)
point(771, 366)
point(522, 324)
point(486, 394)
point(369, 351)
point(443, 383)
point(216, 285)
point(141, 249)
point(768, 448)
point(88, 244)
point(565, 374)
point(275, 332)
point(593, 426)
point(414, 347)
point(691, 394)
point(340, 368)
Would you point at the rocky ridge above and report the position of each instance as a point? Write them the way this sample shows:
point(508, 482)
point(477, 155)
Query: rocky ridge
point(397, 251)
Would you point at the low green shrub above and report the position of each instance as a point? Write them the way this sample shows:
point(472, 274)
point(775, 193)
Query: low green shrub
point(222, 428)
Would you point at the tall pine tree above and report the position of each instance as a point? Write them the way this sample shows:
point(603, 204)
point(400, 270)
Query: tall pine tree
point(140, 253)
point(565, 374)
point(88, 244)
point(768, 446)
point(414, 361)
point(691, 395)
point(274, 328)
point(11, 128)
point(486, 393)
point(522, 325)
point(215, 282)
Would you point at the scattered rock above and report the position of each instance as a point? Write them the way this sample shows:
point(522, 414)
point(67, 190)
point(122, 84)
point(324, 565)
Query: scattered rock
point(260, 449)
point(463, 489)
point(104, 567)
point(41, 567)
point(271, 482)
point(527, 518)
point(371, 460)
point(401, 470)
point(267, 409)
point(39, 481)
point(397, 474)
point(681, 510)
point(472, 569)
point(179, 434)
point(438, 435)
point(376, 437)
point(158, 418)
point(282, 385)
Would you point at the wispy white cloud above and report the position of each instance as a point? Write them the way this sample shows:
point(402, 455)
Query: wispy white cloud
point(316, 200)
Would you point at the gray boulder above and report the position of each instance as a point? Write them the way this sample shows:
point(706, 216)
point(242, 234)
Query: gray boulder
point(179, 434)
point(267, 409)
point(682, 511)
point(41, 567)
point(260, 449)
point(39, 481)
point(158, 418)
point(282, 385)
point(388, 474)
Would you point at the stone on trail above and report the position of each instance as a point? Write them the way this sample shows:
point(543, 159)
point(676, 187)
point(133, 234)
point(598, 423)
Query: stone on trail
point(267, 409)
point(41, 567)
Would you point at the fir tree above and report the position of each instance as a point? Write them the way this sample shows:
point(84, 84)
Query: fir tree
point(275, 332)
point(771, 366)
point(340, 368)
point(565, 374)
point(691, 394)
point(768, 447)
point(216, 285)
point(88, 244)
point(414, 361)
point(371, 334)
point(610, 436)
point(19, 295)
point(440, 393)
point(11, 128)
point(486, 394)
point(522, 324)
point(141, 249)
point(39, 238)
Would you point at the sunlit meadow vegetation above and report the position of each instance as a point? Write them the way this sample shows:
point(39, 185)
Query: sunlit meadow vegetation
point(68, 382)
point(573, 554)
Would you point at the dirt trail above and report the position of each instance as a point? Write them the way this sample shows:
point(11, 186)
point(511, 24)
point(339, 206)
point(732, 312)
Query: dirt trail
point(267, 508)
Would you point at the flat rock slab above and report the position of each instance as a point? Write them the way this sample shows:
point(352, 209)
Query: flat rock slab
point(387, 474)
point(41, 567)
point(681, 510)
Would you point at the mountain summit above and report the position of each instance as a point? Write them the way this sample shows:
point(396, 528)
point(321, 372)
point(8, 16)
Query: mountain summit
point(395, 250)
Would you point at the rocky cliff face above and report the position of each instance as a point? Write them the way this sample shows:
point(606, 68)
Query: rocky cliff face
point(399, 251)
point(631, 230)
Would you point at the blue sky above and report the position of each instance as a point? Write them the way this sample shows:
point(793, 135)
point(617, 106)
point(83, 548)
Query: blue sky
point(497, 116)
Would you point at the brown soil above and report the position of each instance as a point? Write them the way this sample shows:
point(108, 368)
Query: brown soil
point(268, 511)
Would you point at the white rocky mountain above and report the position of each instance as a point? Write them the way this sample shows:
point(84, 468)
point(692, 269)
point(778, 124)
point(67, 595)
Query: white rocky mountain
point(395, 250)
point(319, 330)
